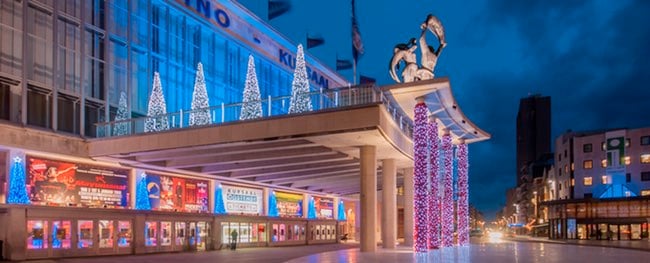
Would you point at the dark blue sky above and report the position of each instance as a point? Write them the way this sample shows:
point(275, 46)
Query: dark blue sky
point(591, 57)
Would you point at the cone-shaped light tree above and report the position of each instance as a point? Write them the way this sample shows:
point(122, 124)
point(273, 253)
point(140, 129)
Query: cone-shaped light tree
point(200, 114)
point(121, 128)
point(341, 215)
point(157, 108)
point(142, 194)
point(17, 183)
point(273, 205)
point(300, 101)
point(252, 101)
point(311, 208)
point(219, 206)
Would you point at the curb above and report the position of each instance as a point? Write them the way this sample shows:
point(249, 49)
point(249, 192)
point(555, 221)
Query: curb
point(577, 244)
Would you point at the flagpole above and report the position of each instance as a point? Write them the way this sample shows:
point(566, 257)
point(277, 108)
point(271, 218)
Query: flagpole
point(354, 72)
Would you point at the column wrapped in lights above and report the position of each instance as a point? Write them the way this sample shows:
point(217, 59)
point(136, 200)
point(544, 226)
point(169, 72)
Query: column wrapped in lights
point(434, 201)
point(463, 195)
point(420, 224)
point(447, 210)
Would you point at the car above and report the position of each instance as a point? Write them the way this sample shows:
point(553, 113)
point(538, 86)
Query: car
point(476, 233)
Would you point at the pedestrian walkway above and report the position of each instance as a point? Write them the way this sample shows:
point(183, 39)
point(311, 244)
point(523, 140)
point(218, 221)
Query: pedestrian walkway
point(259, 254)
point(626, 244)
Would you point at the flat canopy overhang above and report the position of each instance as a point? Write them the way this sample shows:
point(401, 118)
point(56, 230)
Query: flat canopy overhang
point(442, 105)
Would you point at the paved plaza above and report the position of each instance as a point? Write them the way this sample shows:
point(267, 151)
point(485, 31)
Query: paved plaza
point(480, 251)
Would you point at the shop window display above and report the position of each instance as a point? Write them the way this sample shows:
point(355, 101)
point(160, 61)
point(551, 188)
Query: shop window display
point(180, 233)
point(85, 233)
point(105, 233)
point(124, 234)
point(150, 233)
point(165, 233)
point(37, 234)
point(61, 234)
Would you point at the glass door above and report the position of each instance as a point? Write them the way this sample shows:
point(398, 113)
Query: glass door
point(61, 237)
point(37, 238)
point(124, 236)
point(106, 236)
point(180, 236)
point(202, 229)
point(192, 236)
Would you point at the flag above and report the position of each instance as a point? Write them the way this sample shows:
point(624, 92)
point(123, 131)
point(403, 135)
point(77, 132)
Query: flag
point(314, 41)
point(278, 7)
point(366, 80)
point(357, 44)
point(342, 64)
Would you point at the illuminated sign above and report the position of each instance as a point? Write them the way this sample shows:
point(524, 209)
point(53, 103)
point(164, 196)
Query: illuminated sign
point(240, 200)
point(289, 205)
point(238, 28)
point(168, 193)
point(58, 183)
point(324, 207)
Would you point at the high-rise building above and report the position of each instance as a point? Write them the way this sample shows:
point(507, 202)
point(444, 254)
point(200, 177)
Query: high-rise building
point(533, 131)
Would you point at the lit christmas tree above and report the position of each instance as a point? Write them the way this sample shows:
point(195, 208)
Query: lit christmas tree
point(142, 194)
point(200, 114)
point(311, 209)
point(157, 108)
point(17, 188)
point(341, 213)
point(252, 101)
point(219, 206)
point(121, 128)
point(300, 101)
point(273, 205)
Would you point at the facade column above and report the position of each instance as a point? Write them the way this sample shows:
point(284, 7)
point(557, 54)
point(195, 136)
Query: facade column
point(305, 205)
point(368, 198)
point(265, 201)
point(420, 160)
point(212, 187)
point(463, 194)
point(389, 204)
point(447, 211)
point(408, 207)
point(434, 184)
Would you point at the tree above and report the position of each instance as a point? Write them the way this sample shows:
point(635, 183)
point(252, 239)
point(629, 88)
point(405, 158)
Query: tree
point(200, 114)
point(219, 206)
point(157, 108)
point(273, 205)
point(300, 101)
point(17, 188)
point(121, 127)
point(341, 215)
point(142, 194)
point(311, 208)
point(252, 100)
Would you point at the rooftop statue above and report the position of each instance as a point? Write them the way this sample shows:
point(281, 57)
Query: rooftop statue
point(406, 52)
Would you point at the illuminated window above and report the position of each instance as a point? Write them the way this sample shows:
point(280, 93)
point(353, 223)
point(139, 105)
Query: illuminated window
point(573, 181)
point(587, 148)
point(603, 146)
point(645, 192)
point(628, 160)
point(604, 179)
point(603, 163)
point(587, 181)
point(566, 168)
point(645, 158)
point(628, 142)
point(588, 164)
point(573, 168)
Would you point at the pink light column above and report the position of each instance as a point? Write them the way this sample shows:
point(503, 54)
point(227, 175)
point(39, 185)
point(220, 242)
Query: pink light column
point(447, 214)
point(420, 224)
point(434, 201)
point(463, 195)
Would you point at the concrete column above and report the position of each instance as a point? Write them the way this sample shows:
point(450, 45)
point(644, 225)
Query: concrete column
point(389, 204)
point(133, 185)
point(368, 198)
point(408, 207)
point(305, 205)
point(212, 187)
point(265, 201)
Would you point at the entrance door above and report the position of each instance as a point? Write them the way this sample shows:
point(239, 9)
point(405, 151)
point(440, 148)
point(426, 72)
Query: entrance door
point(106, 233)
point(61, 237)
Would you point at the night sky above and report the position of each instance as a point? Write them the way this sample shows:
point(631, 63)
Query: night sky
point(591, 57)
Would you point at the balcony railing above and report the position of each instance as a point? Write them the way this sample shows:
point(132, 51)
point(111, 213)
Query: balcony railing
point(271, 107)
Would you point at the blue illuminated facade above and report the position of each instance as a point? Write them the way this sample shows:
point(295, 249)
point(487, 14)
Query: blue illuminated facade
point(71, 59)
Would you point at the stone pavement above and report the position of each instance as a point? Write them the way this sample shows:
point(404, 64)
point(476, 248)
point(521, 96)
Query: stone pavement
point(625, 244)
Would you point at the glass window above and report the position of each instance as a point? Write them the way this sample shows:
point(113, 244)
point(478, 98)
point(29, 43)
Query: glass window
point(105, 233)
point(605, 179)
point(150, 233)
point(645, 176)
point(85, 233)
point(603, 163)
point(282, 231)
point(628, 177)
point(645, 140)
point(588, 164)
point(180, 233)
point(261, 232)
point(37, 234)
point(165, 233)
point(61, 234)
point(244, 233)
point(587, 180)
point(645, 158)
point(645, 192)
point(587, 148)
point(68, 114)
point(628, 160)
point(39, 107)
point(124, 236)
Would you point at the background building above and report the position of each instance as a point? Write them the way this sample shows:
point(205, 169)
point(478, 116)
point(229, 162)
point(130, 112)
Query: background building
point(602, 181)
point(533, 131)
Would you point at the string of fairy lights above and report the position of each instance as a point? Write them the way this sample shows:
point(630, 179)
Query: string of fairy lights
point(434, 201)
point(420, 193)
point(463, 204)
point(447, 210)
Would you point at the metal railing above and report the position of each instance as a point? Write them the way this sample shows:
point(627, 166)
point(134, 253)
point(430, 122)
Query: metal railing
point(271, 106)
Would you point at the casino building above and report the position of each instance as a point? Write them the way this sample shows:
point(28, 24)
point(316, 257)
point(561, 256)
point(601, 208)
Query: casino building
point(69, 187)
